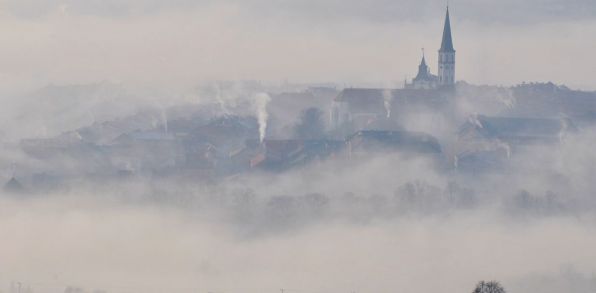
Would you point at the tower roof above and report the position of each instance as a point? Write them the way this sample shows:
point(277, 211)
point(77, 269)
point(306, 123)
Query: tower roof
point(447, 43)
point(423, 70)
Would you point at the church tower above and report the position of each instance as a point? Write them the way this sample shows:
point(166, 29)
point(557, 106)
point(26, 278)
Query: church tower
point(447, 56)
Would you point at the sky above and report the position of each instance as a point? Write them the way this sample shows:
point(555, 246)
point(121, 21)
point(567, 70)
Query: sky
point(178, 43)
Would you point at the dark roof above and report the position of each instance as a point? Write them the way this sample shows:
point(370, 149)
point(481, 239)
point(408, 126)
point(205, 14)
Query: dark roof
point(356, 94)
point(13, 186)
point(403, 140)
point(373, 100)
point(375, 97)
point(294, 100)
point(382, 123)
point(423, 72)
point(282, 154)
point(364, 100)
point(226, 130)
point(447, 43)
point(152, 136)
point(506, 127)
point(288, 146)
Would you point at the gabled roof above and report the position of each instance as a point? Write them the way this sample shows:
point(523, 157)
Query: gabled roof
point(364, 100)
point(350, 95)
point(401, 140)
point(373, 100)
point(143, 136)
point(505, 127)
point(423, 72)
point(281, 154)
point(447, 43)
point(226, 130)
point(13, 186)
point(152, 136)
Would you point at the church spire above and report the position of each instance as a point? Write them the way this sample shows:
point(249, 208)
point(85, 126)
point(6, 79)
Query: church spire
point(447, 56)
point(423, 71)
point(447, 43)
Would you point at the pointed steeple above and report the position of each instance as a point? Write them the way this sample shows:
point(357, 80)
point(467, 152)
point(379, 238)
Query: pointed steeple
point(447, 44)
point(423, 71)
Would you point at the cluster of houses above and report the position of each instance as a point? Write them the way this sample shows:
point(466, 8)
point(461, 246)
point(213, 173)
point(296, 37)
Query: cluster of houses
point(226, 145)
point(358, 122)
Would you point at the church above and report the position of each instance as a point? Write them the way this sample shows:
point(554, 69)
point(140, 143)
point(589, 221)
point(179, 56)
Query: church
point(446, 75)
point(364, 108)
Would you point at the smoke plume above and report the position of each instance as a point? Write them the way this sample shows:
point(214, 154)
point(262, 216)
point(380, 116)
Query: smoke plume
point(387, 98)
point(262, 100)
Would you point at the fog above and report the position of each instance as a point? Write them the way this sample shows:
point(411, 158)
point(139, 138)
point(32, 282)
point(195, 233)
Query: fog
point(191, 146)
point(382, 225)
point(363, 232)
point(155, 250)
point(175, 43)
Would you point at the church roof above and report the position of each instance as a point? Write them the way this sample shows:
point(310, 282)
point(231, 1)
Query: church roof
point(13, 186)
point(423, 72)
point(447, 43)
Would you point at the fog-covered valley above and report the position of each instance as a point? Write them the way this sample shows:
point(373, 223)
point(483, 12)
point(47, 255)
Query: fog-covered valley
point(291, 146)
point(385, 220)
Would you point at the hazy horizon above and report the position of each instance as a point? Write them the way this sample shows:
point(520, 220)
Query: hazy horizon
point(176, 44)
point(128, 165)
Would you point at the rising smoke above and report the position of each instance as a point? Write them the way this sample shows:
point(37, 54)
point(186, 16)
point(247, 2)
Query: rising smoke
point(386, 223)
point(262, 100)
point(387, 99)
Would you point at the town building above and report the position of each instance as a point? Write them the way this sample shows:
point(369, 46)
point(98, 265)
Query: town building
point(363, 143)
point(446, 67)
point(485, 142)
point(356, 107)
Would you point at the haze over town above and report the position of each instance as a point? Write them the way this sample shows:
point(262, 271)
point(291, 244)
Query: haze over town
point(297, 146)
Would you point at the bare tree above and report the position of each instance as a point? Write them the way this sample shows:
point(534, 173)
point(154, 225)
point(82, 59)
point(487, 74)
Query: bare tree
point(489, 287)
